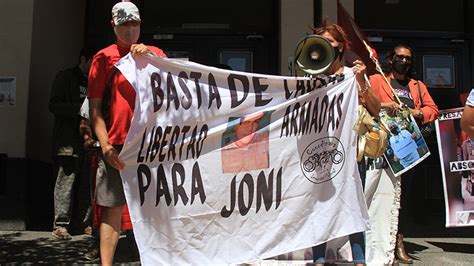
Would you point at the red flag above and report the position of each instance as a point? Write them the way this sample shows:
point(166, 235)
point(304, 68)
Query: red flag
point(357, 39)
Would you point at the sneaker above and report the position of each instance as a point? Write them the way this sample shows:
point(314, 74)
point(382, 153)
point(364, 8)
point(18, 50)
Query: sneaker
point(61, 233)
point(93, 252)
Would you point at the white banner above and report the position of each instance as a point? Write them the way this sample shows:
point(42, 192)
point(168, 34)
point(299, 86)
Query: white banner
point(230, 167)
point(382, 193)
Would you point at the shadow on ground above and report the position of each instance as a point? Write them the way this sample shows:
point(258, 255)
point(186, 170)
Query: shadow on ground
point(414, 250)
point(454, 247)
point(14, 250)
point(413, 247)
point(41, 250)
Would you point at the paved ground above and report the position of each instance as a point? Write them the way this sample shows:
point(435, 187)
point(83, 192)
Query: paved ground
point(33, 247)
point(441, 251)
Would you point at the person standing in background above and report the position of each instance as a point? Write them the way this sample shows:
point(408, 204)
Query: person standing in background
point(68, 92)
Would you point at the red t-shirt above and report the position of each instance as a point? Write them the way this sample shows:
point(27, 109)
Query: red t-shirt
point(122, 94)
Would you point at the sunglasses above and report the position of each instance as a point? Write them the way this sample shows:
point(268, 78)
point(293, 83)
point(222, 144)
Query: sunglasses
point(401, 57)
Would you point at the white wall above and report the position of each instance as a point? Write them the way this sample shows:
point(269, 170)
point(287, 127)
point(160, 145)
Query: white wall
point(330, 9)
point(295, 19)
point(15, 49)
point(37, 38)
point(58, 36)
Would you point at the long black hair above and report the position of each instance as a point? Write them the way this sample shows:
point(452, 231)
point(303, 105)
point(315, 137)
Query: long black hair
point(387, 65)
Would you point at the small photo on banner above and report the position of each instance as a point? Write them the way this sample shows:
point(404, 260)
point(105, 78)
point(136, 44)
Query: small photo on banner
point(406, 146)
point(245, 145)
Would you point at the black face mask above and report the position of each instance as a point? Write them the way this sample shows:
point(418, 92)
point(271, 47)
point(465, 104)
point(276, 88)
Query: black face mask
point(400, 67)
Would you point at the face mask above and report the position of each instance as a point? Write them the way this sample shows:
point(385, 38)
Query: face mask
point(127, 34)
point(400, 67)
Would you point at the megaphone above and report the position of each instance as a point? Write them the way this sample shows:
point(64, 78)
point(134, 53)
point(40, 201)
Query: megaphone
point(314, 54)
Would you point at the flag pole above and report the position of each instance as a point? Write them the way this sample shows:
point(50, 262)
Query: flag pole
point(379, 69)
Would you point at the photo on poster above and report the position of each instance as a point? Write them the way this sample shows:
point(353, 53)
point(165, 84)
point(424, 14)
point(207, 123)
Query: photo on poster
point(406, 146)
point(456, 151)
point(245, 143)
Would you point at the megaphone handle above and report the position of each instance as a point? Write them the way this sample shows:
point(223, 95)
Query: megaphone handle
point(301, 50)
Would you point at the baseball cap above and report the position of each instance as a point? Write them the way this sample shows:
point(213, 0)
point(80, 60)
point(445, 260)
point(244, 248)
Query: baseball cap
point(125, 11)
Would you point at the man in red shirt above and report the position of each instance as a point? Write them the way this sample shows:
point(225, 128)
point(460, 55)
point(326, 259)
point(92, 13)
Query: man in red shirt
point(112, 101)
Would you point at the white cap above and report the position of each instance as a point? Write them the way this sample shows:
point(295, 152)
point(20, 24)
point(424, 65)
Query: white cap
point(125, 11)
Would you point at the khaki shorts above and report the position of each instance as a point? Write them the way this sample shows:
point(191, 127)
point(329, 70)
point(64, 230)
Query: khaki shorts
point(109, 187)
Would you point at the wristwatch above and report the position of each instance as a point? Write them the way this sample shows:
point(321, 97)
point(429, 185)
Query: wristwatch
point(420, 115)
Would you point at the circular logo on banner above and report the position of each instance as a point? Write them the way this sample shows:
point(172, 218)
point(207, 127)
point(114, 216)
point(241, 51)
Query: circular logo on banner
point(322, 160)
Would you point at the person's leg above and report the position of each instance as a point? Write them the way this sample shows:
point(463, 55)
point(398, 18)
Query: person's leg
point(109, 233)
point(110, 195)
point(357, 241)
point(84, 194)
point(63, 191)
point(93, 252)
point(319, 254)
point(404, 217)
point(406, 208)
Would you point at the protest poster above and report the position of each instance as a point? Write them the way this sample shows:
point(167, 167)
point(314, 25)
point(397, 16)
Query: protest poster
point(457, 165)
point(231, 167)
point(406, 146)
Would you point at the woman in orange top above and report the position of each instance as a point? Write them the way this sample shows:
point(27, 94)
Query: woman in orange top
point(412, 93)
point(400, 76)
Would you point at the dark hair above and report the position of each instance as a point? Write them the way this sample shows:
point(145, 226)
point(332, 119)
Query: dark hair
point(335, 30)
point(87, 52)
point(387, 66)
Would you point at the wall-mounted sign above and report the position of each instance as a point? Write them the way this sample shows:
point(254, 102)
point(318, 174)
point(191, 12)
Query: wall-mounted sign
point(438, 71)
point(237, 60)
